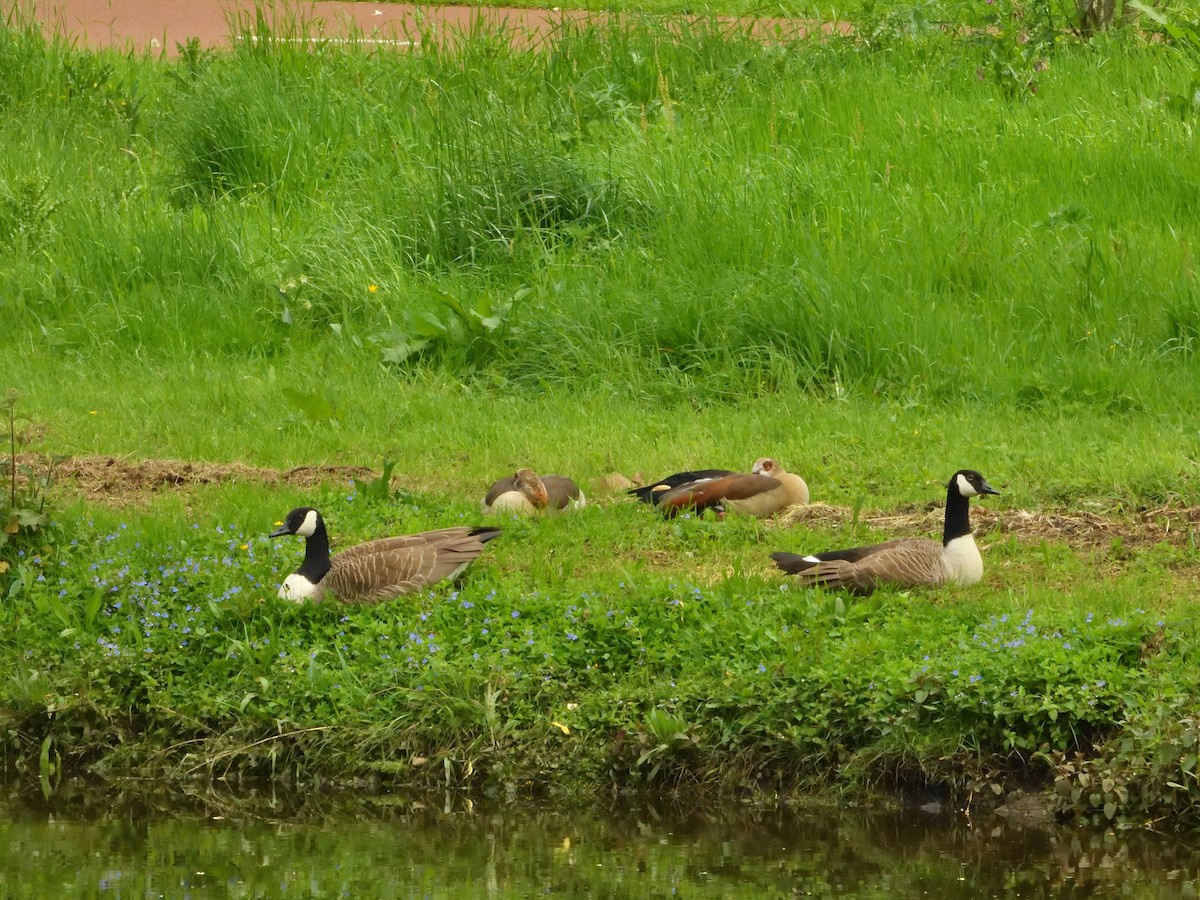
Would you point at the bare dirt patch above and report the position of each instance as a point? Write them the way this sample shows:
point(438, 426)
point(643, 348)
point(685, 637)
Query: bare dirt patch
point(1170, 524)
point(116, 480)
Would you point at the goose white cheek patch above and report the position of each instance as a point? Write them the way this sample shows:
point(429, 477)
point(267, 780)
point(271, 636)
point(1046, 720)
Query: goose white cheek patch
point(966, 488)
point(309, 526)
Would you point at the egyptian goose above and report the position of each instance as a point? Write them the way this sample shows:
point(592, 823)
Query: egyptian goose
point(526, 493)
point(764, 491)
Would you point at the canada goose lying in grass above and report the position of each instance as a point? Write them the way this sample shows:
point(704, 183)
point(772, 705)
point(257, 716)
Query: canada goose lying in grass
point(525, 493)
point(377, 570)
point(652, 493)
point(764, 491)
point(908, 562)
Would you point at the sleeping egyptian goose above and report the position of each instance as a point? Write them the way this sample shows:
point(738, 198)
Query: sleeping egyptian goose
point(526, 493)
point(908, 562)
point(764, 491)
point(652, 493)
point(377, 570)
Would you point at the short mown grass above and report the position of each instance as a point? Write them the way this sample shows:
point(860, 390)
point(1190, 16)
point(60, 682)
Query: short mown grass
point(639, 247)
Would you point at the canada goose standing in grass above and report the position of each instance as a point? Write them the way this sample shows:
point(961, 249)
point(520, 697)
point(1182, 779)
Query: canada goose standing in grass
point(907, 562)
point(764, 491)
point(525, 493)
point(652, 493)
point(377, 570)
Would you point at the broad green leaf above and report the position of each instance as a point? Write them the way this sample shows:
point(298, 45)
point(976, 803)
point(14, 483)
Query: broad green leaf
point(31, 518)
point(399, 352)
point(426, 324)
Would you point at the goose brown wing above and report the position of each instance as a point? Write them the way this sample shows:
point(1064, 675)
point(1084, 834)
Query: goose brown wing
point(411, 563)
point(907, 563)
point(653, 493)
point(561, 490)
point(854, 554)
point(400, 542)
point(708, 493)
point(503, 486)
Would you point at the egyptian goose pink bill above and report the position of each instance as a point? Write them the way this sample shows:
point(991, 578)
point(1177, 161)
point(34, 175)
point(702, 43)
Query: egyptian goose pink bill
point(526, 493)
point(763, 491)
point(909, 562)
point(377, 570)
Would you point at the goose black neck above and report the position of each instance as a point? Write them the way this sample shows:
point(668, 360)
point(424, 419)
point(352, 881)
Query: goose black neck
point(958, 515)
point(316, 554)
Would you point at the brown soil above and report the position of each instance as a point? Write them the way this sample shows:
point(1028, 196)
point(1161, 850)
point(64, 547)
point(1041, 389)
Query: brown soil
point(116, 480)
point(1170, 524)
point(162, 25)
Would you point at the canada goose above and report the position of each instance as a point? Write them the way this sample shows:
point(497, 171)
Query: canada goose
point(652, 493)
point(526, 493)
point(377, 570)
point(907, 562)
point(764, 491)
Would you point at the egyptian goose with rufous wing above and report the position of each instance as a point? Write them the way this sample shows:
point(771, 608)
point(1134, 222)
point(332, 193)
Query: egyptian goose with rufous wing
point(763, 491)
point(652, 493)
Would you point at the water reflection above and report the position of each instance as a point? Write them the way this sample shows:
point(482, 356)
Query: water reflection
point(219, 845)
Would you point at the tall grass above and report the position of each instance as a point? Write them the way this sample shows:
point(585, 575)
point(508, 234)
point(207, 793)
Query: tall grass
point(633, 203)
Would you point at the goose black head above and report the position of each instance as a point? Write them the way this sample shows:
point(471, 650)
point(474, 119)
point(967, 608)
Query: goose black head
point(303, 520)
point(970, 483)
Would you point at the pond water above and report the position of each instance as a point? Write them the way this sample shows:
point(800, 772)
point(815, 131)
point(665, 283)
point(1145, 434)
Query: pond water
point(112, 845)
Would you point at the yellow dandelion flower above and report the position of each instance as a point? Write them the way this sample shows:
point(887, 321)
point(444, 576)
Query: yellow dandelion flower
point(245, 546)
point(91, 412)
point(372, 288)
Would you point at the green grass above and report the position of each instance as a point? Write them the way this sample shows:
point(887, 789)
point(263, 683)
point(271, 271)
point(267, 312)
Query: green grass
point(747, 219)
point(639, 248)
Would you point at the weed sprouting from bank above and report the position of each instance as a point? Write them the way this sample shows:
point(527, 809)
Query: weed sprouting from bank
point(26, 529)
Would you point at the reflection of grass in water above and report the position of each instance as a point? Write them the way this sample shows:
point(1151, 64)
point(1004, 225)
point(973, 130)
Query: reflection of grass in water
point(318, 842)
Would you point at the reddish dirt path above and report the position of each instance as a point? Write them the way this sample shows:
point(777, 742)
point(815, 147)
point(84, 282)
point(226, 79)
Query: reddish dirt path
point(162, 24)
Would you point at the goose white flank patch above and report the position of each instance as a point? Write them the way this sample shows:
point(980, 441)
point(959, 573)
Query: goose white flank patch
point(526, 493)
point(763, 491)
point(377, 570)
point(908, 562)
